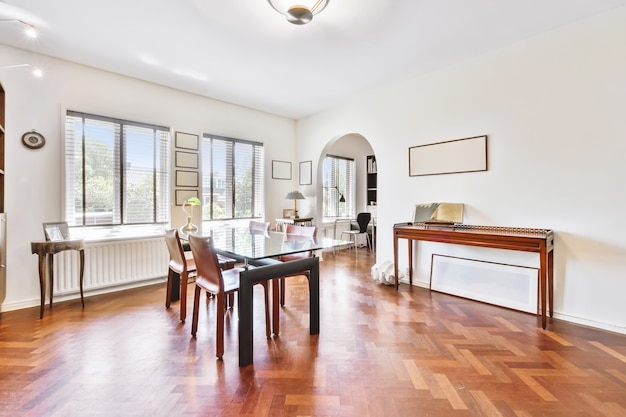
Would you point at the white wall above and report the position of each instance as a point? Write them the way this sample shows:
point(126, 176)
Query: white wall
point(34, 177)
point(553, 109)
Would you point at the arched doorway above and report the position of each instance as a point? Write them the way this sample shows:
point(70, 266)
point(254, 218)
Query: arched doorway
point(362, 197)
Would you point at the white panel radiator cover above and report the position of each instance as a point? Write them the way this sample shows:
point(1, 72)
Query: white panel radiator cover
point(511, 286)
point(111, 264)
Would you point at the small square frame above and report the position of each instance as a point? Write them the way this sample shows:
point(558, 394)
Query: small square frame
point(186, 159)
point(183, 195)
point(187, 141)
point(186, 178)
point(281, 170)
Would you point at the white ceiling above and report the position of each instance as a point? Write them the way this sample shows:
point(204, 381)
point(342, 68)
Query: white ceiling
point(244, 52)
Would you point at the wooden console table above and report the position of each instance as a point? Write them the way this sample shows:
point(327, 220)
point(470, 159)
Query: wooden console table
point(512, 238)
point(45, 251)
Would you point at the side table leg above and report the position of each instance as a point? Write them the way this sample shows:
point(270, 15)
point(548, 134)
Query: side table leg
point(42, 282)
point(82, 273)
point(51, 275)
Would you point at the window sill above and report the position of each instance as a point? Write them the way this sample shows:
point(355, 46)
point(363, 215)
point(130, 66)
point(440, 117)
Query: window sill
point(105, 234)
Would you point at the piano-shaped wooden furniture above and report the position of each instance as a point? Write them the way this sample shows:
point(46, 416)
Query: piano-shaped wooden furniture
point(540, 241)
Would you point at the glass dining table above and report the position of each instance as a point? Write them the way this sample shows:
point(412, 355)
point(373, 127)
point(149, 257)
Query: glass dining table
point(258, 252)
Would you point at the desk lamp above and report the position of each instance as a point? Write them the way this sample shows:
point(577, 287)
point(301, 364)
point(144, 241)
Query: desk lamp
point(295, 195)
point(189, 228)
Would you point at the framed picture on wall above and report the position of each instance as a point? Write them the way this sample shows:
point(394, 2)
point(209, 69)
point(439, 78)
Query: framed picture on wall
point(449, 157)
point(183, 195)
point(281, 170)
point(186, 178)
point(186, 159)
point(305, 173)
point(186, 141)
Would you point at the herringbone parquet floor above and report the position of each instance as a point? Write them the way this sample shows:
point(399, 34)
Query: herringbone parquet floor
point(379, 353)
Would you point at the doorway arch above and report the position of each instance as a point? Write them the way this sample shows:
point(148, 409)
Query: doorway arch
point(349, 145)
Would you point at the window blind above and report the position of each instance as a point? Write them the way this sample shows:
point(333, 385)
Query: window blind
point(232, 178)
point(338, 181)
point(116, 171)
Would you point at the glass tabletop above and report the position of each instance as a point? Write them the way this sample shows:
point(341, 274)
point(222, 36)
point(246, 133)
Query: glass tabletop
point(245, 243)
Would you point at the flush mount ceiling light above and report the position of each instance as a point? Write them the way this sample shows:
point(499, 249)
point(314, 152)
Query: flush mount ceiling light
point(299, 14)
point(31, 30)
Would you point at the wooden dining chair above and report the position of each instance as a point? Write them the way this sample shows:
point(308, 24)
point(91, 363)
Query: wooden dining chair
point(181, 263)
point(221, 283)
point(297, 231)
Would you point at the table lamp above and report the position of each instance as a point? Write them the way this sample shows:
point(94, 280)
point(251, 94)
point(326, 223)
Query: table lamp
point(189, 228)
point(295, 195)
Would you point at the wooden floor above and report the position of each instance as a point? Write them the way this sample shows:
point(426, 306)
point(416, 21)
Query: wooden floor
point(379, 353)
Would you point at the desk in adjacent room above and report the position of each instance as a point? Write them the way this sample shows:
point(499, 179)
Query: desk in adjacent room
point(298, 221)
point(540, 241)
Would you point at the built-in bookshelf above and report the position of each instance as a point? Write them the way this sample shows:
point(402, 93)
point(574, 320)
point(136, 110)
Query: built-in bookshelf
point(372, 180)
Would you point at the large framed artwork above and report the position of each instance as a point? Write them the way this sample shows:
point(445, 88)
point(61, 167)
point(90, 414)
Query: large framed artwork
point(449, 157)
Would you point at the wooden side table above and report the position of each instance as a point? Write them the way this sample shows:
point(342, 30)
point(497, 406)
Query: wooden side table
point(45, 251)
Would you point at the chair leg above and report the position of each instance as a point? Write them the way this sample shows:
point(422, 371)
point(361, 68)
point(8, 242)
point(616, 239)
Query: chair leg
point(196, 307)
point(168, 291)
point(183, 296)
point(219, 328)
point(268, 330)
point(275, 305)
point(282, 292)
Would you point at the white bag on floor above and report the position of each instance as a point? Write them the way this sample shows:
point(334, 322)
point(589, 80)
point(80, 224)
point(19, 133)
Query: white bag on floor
point(383, 273)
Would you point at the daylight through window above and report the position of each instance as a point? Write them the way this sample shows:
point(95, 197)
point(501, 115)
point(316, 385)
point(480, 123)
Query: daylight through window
point(116, 171)
point(232, 179)
point(337, 186)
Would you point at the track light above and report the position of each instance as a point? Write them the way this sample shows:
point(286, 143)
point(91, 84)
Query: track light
point(31, 30)
point(37, 72)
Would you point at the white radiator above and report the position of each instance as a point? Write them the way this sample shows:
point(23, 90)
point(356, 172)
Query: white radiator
point(111, 264)
point(511, 286)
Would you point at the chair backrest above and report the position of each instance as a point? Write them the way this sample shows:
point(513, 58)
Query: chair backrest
point(175, 249)
point(363, 220)
point(309, 231)
point(259, 227)
point(56, 231)
point(300, 231)
point(207, 264)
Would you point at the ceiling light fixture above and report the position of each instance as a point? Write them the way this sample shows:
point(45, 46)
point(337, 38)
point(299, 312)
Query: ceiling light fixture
point(31, 30)
point(37, 72)
point(296, 13)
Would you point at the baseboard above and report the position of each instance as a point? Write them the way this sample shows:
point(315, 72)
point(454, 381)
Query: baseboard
point(35, 302)
point(614, 328)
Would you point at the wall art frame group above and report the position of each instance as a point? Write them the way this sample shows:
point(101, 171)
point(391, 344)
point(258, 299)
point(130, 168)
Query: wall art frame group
point(187, 163)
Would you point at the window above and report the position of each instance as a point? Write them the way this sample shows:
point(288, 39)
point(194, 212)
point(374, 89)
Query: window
point(116, 171)
point(232, 179)
point(338, 185)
